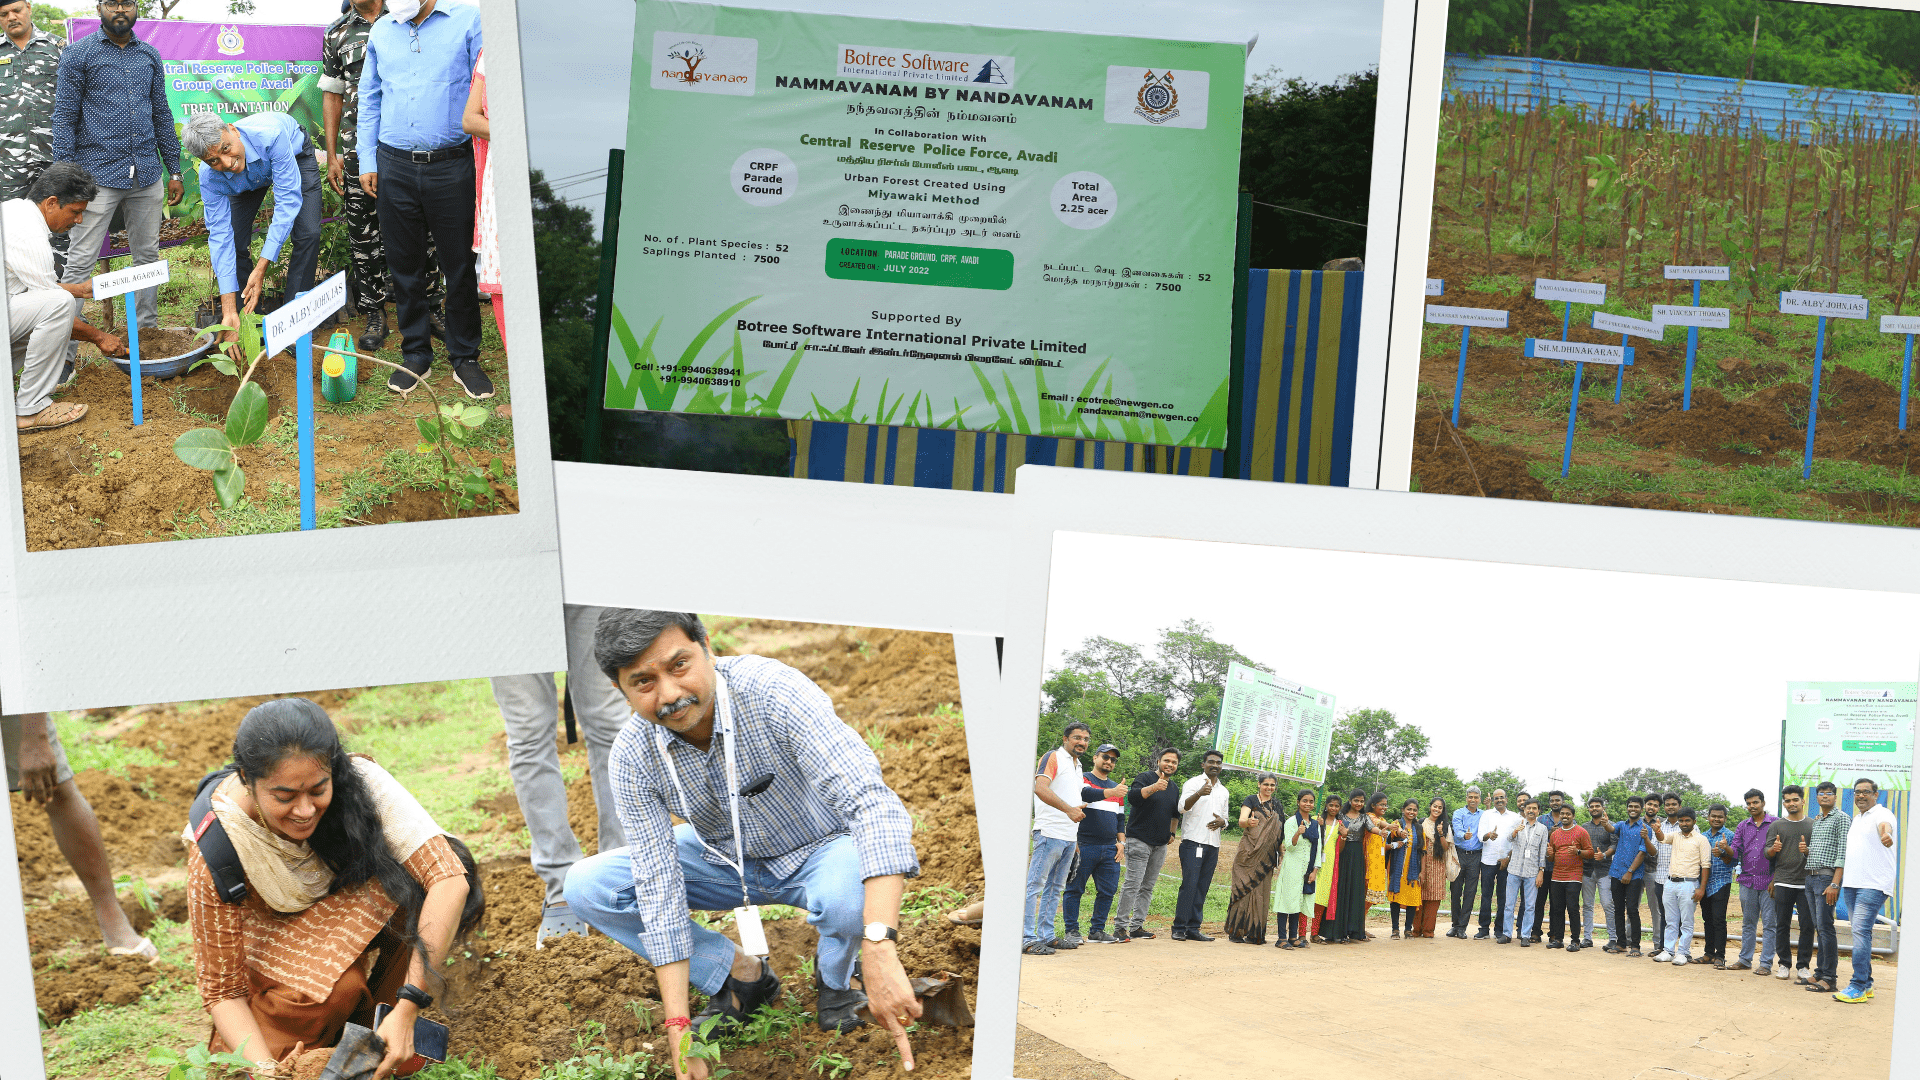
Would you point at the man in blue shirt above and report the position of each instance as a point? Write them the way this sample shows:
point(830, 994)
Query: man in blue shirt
point(240, 162)
point(1630, 855)
point(1466, 841)
point(110, 117)
point(417, 163)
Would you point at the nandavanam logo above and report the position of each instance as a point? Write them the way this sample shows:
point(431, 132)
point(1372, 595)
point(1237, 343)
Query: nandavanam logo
point(690, 55)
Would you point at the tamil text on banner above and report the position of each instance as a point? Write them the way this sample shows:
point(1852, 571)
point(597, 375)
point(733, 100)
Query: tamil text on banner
point(232, 68)
point(1272, 724)
point(888, 222)
point(1846, 731)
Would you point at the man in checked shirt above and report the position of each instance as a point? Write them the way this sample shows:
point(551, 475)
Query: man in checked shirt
point(820, 830)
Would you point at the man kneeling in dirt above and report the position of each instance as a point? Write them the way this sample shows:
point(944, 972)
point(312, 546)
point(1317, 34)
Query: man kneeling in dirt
point(749, 752)
point(40, 309)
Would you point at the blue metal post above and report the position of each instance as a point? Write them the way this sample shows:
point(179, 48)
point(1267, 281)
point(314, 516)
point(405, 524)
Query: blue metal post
point(1620, 373)
point(1813, 403)
point(1573, 412)
point(133, 358)
point(1460, 377)
point(1693, 342)
point(303, 376)
point(1906, 369)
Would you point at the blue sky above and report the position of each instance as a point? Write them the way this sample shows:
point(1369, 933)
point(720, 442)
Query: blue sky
point(576, 68)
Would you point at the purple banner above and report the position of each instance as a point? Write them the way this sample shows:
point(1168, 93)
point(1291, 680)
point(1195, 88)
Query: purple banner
point(219, 41)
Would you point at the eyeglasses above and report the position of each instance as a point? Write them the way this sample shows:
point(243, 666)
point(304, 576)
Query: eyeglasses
point(416, 37)
point(118, 5)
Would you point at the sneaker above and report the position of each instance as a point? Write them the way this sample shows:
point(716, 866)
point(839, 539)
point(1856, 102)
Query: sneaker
point(1682, 960)
point(1633, 952)
point(403, 381)
point(1074, 940)
point(1586, 943)
point(1662, 956)
point(1526, 943)
point(1038, 948)
point(1482, 935)
point(471, 379)
point(1783, 972)
point(1141, 932)
point(1803, 974)
point(1101, 937)
point(1555, 944)
point(1847, 996)
point(1065, 943)
point(1179, 935)
point(1502, 940)
point(1573, 946)
point(557, 919)
point(1609, 947)
point(1739, 965)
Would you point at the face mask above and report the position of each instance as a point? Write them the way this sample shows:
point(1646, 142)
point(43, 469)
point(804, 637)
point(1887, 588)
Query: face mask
point(403, 10)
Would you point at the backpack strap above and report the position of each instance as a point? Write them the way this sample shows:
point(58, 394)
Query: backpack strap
point(223, 862)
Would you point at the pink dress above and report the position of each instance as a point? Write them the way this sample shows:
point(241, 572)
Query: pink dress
point(486, 236)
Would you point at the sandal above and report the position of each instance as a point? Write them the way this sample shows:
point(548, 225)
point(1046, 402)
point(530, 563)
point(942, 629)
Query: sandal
point(966, 916)
point(737, 1000)
point(145, 950)
point(57, 415)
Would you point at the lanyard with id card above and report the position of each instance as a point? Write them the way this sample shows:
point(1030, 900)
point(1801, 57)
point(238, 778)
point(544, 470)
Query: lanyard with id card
point(753, 936)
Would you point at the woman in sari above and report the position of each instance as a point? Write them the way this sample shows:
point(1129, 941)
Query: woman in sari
point(1324, 896)
point(1293, 881)
point(1350, 906)
point(1403, 866)
point(353, 895)
point(1254, 864)
point(1436, 832)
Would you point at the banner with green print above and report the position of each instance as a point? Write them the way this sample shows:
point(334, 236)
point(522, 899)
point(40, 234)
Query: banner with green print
point(890, 222)
point(1272, 724)
point(1846, 731)
point(231, 68)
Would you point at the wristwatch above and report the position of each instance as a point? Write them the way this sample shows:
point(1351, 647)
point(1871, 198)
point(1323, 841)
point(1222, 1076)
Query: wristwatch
point(878, 931)
point(412, 993)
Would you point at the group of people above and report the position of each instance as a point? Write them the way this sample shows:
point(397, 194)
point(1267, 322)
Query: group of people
point(345, 894)
point(1320, 870)
point(86, 132)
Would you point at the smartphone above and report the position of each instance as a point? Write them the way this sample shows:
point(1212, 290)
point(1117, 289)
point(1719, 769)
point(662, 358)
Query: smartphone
point(429, 1041)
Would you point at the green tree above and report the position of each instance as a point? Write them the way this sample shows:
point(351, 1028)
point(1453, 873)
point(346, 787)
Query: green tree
point(1308, 148)
point(566, 255)
point(1368, 745)
point(1503, 779)
point(1644, 781)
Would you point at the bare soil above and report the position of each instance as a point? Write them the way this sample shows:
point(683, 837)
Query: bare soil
point(105, 481)
point(508, 1003)
point(161, 343)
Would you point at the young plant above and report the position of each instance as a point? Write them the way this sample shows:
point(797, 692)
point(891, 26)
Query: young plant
point(705, 1046)
point(250, 338)
point(832, 1066)
point(217, 449)
point(461, 486)
point(138, 886)
point(195, 1063)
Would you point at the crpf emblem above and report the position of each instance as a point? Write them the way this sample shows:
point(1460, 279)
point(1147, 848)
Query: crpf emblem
point(689, 53)
point(1158, 102)
point(230, 43)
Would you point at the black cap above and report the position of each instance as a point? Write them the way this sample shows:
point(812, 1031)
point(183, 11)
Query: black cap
point(1107, 748)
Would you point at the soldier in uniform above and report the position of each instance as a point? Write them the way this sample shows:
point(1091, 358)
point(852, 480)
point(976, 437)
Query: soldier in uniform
point(340, 60)
point(29, 72)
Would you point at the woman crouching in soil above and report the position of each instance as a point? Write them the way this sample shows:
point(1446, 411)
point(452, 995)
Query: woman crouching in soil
point(353, 895)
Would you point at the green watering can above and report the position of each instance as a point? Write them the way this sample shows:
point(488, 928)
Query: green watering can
point(339, 375)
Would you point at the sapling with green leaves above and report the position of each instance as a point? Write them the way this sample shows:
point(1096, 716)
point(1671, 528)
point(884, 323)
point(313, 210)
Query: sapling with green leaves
point(197, 1062)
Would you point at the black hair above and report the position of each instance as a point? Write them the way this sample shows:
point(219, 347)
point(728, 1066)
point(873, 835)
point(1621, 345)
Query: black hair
point(1685, 812)
point(1212, 754)
point(1674, 795)
point(1754, 793)
point(1596, 799)
point(622, 634)
point(65, 181)
point(1409, 801)
point(1351, 795)
point(1635, 800)
point(1557, 791)
point(1303, 793)
point(1793, 789)
point(1072, 726)
point(349, 837)
point(1826, 785)
point(1568, 807)
point(1870, 782)
point(1443, 832)
point(1158, 754)
point(1717, 806)
point(1376, 799)
point(1535, 803)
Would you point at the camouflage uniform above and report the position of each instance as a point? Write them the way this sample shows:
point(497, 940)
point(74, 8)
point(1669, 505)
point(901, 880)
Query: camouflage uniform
point(27, 80)
point(340, 60)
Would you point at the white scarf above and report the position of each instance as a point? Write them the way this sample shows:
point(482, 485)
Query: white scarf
point(289, 875)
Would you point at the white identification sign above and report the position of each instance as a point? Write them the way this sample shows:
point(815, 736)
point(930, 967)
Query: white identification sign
point(1580, 292)
point(115, 282)
point(286, 324)
point(1699, 273)
point(1436, 287)
point(1466, 316)
point(1832, 305)
point(1713, 318)
point(1900, 324)
point(1580, 351)
point(1620, 324)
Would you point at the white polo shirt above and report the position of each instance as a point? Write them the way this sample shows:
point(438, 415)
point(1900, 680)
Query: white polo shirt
point(1871, 864)
point(1065, 778)
point(1193, 823)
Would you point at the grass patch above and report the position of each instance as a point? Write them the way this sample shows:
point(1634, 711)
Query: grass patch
point(427, 732)
point(105, 755)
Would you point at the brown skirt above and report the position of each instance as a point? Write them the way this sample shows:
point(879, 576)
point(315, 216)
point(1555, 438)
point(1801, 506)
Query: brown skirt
point(286, 1020)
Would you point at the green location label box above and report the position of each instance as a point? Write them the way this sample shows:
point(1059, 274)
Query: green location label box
point(920, 264)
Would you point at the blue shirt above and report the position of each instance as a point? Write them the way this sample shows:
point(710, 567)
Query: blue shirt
point(1627, 843)
point(826, 784)
point(1720, 872)
point(110, 113)
point(273, 140)
point(1466, 829)
point(414, 100)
